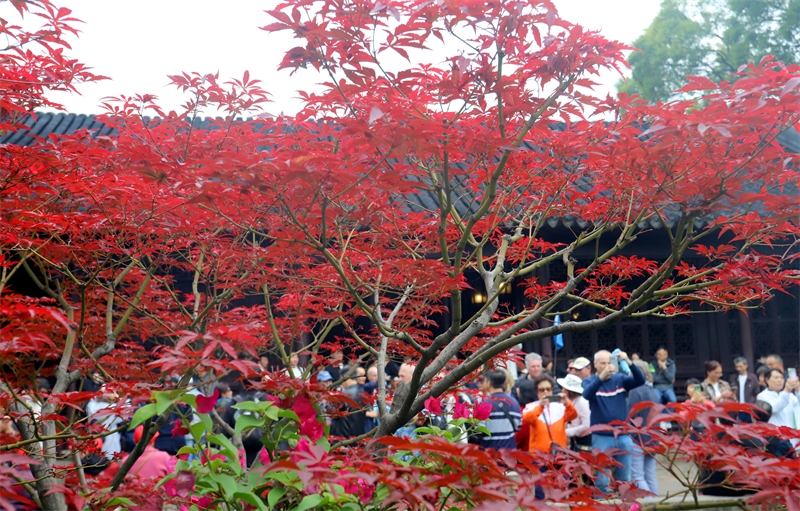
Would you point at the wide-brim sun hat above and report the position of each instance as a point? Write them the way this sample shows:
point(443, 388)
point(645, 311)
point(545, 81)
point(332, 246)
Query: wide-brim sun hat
point(571, 383)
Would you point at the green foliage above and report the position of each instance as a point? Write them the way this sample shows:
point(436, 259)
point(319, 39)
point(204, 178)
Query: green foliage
point(712, 38)
point(296, 472)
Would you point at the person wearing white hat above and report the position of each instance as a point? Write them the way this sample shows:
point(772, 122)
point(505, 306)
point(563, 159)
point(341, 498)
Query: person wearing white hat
point(580, 367)
point(573, 385)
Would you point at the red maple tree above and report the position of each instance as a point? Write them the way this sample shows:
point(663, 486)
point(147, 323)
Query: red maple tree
point(361, 219)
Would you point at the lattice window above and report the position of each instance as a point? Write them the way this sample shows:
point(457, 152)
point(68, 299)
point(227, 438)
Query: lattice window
point(632, 338)
point(657, 334)
point(607, 338)
point(683, 335)
point(789, 339)
point(762, 337)
point(557, 271)
point(582, 344)
point(786, 305)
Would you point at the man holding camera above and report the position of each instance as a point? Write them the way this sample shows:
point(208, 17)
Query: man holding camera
point(607, 400)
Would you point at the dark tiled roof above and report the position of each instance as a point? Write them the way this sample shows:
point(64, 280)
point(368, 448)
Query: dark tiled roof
point(46, 124)
point(53, 123)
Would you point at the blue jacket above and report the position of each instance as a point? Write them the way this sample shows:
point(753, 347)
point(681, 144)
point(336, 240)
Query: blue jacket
point(502, 424)
point(607, 399)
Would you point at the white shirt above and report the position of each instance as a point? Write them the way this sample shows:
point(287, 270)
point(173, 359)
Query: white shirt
point(785, 409)
point(742, 381)
point(295, 372)
point(584, 419)
point(715, 386)
point(112, 442)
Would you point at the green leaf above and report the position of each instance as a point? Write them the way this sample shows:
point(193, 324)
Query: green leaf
point(166, 478)
point(164, 400)
point(245, 422)
point(251, 499)
point(227, 446)
point(207, 422)
point(142, 414)
point(189, 399)
point(252, 406)
point(288, 414)
point(120, 501)
point(227, 483)
point(483, 429)
point(323, 442)
point(197, 431)
point(275, 495)
point(272, 412)
point(309, 501)
point(186, 449)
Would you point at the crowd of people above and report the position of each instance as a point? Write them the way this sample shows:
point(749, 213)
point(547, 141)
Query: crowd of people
point(538, 411)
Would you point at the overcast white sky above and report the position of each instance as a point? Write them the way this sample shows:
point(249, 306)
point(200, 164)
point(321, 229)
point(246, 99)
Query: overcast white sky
point(139, 42)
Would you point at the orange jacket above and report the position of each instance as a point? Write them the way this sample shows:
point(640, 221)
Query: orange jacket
point(557, 416)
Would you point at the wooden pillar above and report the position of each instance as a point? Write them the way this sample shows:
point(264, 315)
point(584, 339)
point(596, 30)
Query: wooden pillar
point(747, 338)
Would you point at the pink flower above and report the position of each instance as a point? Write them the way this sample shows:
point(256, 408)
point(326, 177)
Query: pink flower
point(308, 454)
point(362, 488)
point(303, 446)
point(312, 428)
point(460, 411)
point(482, 411)
point(263, 455)
point(180, 486)
point(303, 408)
point(433, 405)
point(206, 404)
point(179, 429)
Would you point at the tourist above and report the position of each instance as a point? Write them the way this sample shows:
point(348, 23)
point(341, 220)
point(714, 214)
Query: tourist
point(775, 362)
point(643, 463)
point(694, 393)
point(714, 387)
point(352, 423)
point(760, 373)
point(547, 418)
point(112, 443)
point(578, 439)
point(525, 394)
point(745, 382)
point(294, 370)
point(152, 464)
point(664, 377)
point(505, 417)
point(406, 372)
point(533, 367)
point(581, 367)
point(779, 394)
point(334, 368)
point(605, 393)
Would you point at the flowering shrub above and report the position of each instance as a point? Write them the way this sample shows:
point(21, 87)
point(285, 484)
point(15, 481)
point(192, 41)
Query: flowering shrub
point(298, 469)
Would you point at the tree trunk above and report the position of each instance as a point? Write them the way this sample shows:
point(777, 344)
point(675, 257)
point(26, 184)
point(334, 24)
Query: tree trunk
point(50, 496)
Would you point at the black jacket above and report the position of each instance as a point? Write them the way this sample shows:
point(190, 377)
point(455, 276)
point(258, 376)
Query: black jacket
point(751, 387)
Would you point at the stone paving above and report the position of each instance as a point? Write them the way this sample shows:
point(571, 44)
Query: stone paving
point(672, 490)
